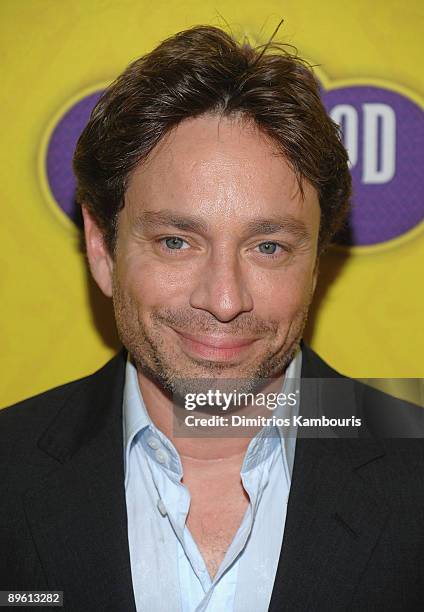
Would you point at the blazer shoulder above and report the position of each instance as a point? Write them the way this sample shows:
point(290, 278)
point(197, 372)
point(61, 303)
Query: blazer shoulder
point(23, 423)
point(314, 366)
point(397, 424)
point(32, 415)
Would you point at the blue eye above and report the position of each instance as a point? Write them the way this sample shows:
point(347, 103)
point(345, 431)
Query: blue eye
point(174, 242)
point(268, 248)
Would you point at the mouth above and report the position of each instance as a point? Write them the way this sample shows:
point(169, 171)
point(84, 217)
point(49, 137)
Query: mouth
point(214, 348)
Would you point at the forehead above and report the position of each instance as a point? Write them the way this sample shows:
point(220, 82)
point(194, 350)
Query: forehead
point(218, 166)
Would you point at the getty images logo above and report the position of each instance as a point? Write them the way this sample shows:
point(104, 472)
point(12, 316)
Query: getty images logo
point(382, 127)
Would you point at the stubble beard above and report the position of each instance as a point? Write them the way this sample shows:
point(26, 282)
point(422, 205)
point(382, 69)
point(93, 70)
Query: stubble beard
point(150, 355)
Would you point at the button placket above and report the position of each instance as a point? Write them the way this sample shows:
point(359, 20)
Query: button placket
point(161, 507)
point(153, 443)
point(161, 456)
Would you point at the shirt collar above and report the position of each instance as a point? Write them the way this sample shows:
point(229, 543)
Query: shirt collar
point(291, 385)
point(135, 415)
point(266, 440)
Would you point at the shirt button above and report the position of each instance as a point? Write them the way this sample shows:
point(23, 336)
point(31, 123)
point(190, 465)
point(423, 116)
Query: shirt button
point(161, 507)
point(153, 443)
point(161, 456)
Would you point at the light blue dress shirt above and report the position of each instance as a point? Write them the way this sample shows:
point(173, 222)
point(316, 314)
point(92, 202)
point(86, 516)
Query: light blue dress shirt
point(168, 570)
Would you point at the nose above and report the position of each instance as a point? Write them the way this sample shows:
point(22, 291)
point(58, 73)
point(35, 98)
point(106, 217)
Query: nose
point(221, 288)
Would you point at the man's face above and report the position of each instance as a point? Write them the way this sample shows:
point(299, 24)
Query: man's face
point(215, 260)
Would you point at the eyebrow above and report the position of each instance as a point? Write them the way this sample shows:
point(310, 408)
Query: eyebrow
point(273, 225)
point(262, 225)
point(151, 219)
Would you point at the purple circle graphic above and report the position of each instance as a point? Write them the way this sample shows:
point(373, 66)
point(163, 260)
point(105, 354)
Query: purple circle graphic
point(382, 130)
point(60, 151)
point(384, 134)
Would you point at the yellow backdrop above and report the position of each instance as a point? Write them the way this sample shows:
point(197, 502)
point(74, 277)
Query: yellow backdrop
point(368, 323)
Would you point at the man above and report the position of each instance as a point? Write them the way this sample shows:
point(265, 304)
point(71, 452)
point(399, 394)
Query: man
point(211, 180)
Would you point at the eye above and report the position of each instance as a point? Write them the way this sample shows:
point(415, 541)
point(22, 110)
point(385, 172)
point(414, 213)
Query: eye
point(269, 248)
point(174, 243)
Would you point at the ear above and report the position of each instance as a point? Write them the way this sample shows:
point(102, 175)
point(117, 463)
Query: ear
point(99, 259)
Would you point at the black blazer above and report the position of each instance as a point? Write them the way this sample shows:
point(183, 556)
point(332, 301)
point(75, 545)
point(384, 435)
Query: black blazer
point(354, 533)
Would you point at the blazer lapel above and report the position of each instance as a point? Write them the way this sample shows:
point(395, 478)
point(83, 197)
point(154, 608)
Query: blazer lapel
point(333, 522)
point(334, 518)
point(77, 516)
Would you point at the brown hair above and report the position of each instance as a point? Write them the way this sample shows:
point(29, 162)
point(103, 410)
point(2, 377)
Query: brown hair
point(204, 70)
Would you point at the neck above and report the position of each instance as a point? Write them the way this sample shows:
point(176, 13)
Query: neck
point(198, 448)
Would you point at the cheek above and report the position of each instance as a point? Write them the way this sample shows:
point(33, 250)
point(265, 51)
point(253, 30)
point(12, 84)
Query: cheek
point(282, 296)
point(151, 286)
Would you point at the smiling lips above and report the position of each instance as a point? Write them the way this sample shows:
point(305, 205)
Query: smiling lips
point(217, 348)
